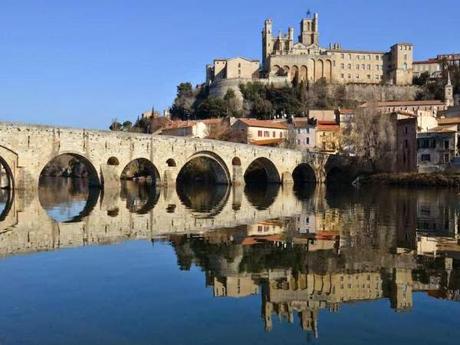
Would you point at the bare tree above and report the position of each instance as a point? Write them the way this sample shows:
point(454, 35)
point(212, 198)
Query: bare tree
point(370, 136)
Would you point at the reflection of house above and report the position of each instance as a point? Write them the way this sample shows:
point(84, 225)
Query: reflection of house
point(327, 136)
point(239, 286)
point(261, 132)
point(269, 227)
point(435, 149)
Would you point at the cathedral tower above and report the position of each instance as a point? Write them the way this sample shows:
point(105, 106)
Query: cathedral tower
point(267, 42)
point(309, 31)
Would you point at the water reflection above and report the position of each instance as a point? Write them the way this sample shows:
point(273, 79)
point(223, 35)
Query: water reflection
point(67, 199)
point(300, 251)
point(141, 197)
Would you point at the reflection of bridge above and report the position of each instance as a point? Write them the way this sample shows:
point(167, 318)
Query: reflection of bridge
point(27, 227)
point(25, 150)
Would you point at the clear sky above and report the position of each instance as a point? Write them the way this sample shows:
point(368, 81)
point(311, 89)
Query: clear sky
point(83, 63)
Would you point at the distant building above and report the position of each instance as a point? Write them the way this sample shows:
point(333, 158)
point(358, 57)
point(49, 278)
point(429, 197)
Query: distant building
point(305, 60)
point(305, 133)
point(327, 136)
point(413, 107)
point(195, 129)
point(406, 143)
point(432, 67)
point(261, 132)
point(436, 149)
point(234, 68)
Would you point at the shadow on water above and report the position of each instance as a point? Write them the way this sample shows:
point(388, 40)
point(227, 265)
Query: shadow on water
point(262, 195)
point(141, 197)
point(67, 200)
point(6, 198)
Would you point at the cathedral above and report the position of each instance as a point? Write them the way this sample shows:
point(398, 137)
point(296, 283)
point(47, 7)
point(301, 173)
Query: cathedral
point(284, 58)
point(306, 60)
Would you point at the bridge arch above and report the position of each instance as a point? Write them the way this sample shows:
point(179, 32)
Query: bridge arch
point(83, 164)
point(6, 189)
point(141, 169)
point(303, 174)
point(205, 167)
point(262, 170)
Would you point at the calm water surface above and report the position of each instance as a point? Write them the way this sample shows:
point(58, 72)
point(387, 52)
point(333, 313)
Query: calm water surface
point(218, 265)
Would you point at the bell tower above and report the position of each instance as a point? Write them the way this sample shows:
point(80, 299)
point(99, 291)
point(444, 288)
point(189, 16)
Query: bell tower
point(309, 31)
point(267, 42)
point(449, 92)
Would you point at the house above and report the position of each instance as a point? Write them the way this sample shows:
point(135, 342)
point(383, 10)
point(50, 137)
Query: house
point(406, 143)
point(432, 106)
point(261, 132)
point(328, 136)
point(436, 149)
point(305, 133)
point(195, 129)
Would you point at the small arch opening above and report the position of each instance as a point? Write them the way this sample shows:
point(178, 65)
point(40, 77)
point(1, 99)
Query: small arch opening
point(171, 163)
point(236, 162)
point(113, 161)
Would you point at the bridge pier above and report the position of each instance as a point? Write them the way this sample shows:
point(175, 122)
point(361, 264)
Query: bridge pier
point(286, 179)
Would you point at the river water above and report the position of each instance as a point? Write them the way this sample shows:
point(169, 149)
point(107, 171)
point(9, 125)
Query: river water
point(217, 265)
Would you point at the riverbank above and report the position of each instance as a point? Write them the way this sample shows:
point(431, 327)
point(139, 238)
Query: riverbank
point(412, 179)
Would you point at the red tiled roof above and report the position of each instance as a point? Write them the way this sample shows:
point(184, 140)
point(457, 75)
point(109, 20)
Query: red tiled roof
point(263, 123)
point(328, 127)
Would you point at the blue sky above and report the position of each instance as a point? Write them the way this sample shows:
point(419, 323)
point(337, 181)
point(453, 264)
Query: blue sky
point(83, 63)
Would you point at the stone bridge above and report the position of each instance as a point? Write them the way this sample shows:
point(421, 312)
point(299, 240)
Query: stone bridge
point(26, 149)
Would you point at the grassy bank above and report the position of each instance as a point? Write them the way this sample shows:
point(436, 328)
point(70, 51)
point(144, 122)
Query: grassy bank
point(413, 179)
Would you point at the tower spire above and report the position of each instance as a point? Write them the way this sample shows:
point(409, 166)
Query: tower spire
point(449, 83)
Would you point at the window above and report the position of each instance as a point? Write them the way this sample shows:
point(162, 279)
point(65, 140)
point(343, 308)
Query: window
point(369, 67)
point(343, 56)
point(266, 134)
point(446, 144)
point(349, 66)
point(406, 143)
point(357, 67)
point(369, 76)
point(308, 141)
point(426, 158)
point(446, 158)
point(363, 66)
point(274, 134)
point(342, 65)
point(259, 133)
point(342, 75)
point(406, 130)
